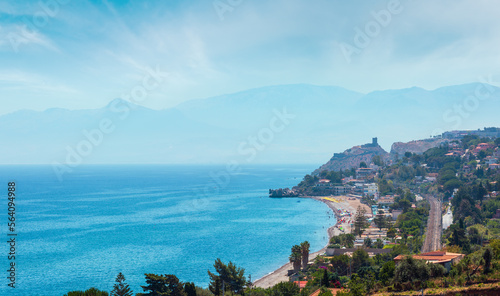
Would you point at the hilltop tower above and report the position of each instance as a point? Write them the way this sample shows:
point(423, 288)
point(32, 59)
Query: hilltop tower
point(374, 141)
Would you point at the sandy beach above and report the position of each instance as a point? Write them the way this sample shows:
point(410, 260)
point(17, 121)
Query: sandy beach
point(338, 204)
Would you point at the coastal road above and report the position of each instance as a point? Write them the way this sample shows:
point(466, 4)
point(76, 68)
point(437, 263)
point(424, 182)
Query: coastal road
point(433, 234)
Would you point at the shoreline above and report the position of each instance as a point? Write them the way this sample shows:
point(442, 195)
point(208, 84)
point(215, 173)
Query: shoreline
point(343, 203)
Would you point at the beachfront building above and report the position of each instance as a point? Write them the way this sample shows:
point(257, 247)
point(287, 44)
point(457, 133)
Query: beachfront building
point(342, 190)
point(386, 200)
point(445, 259)
point(371, 189)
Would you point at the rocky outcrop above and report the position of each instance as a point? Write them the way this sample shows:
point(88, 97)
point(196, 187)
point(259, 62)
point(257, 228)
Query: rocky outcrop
point(351, 158)
point(418, 147)
point(286, 192)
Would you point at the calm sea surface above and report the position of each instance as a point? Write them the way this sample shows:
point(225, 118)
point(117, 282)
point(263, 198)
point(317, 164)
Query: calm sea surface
point(100, 220)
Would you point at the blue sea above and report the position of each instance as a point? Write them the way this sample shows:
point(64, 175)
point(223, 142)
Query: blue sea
point(81, 231)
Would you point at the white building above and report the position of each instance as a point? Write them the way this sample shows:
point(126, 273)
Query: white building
point(491, 160)
point(371, 189)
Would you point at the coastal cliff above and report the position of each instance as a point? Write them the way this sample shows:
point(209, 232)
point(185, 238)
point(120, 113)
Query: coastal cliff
point(418, 147)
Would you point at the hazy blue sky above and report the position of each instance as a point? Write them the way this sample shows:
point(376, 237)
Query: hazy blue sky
point(82, 54)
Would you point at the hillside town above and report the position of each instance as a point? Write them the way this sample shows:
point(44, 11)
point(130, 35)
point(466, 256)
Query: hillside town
point(435, 211)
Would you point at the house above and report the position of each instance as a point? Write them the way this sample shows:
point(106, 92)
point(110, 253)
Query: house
point(495, 166)
point(323, 183)
point(496, 153)
point(481, 147)
point(371, 252)
point(497, 215)
point(342, 190)
point(446, 259)
point(386, 200)
point(347, 179)
point(371, 189)
point(431, 177)
point(466, 169)
point(454, 153)
point(363, 173)
point(396, 213)
point(301, 284)
point(491, 160)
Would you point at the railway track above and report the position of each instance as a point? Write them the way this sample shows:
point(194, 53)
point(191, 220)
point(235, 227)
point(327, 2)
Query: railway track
point(433, 234)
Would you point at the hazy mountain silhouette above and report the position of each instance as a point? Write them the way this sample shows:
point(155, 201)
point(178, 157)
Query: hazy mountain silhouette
point(326, 119)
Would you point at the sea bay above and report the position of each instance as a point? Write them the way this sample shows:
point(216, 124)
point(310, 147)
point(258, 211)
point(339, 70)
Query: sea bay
point(79, 232)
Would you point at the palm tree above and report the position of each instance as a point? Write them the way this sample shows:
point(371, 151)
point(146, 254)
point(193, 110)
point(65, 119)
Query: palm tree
point(305, 253)
point(296, 257)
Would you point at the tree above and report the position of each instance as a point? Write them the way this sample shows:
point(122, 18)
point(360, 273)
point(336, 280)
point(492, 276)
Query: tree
point(190, 289)
point(437, 270)
point(89, 292)
point(413, 271)
point(387, 271)
point(231, 277)
point(121, 288)
point(158, 284)
point(215, 287)
point(325, 292)
point(284, 289)
point(296, 257)
point(363, 165)
point(405, 205)
point(357, 287)
point(480, 192)
point(391, 233)
point(380, 221)
point(360, 258)
point(379, 244)
point(305, 253)
point(341, 264)
point(367, 243)
point(487, 256)
point(325, 282)
point(360, 221)
point(377, 160)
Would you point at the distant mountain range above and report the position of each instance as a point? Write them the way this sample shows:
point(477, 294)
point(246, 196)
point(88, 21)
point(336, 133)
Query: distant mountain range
point(277, 124)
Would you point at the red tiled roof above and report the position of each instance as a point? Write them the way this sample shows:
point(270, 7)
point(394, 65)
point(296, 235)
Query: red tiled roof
point(433, 257)
point(301, 284)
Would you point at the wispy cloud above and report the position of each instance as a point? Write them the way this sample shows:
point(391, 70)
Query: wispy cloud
point(100, 48)
point(18, 37)
point(16, 80)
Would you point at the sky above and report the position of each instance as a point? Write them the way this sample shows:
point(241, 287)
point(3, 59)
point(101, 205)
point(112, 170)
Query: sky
point(83, 54)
